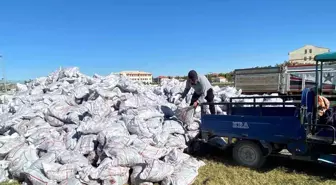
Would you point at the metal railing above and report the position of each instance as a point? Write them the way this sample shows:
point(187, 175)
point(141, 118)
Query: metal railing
point(260, 104)
point(283, 98)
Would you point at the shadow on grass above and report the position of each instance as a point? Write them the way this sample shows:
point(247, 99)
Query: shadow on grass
point(316, 170)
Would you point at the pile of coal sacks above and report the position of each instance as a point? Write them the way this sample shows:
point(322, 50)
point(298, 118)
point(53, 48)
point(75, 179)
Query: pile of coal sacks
point(70, 128)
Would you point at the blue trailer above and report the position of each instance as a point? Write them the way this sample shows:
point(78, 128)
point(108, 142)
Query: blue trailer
point(292, 129)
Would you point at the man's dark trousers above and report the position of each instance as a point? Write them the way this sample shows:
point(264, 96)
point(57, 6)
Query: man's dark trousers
point(209, 98)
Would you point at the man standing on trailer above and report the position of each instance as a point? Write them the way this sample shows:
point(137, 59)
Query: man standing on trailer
point(202, 90)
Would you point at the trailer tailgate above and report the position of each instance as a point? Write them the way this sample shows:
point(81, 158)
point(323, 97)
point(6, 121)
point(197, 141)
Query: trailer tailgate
point(258, 79)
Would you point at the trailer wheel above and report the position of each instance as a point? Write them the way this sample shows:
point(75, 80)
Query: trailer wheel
point(248, 154)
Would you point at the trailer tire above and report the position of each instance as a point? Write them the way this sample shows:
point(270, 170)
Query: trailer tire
point(248, 154)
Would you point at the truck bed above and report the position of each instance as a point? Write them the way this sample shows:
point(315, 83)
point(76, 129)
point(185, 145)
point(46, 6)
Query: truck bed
point(284, 80)
point(258, 80)
point(257, 122)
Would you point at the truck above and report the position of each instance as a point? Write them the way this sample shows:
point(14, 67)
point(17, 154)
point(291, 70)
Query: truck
point(286, 129)
point(285, 80)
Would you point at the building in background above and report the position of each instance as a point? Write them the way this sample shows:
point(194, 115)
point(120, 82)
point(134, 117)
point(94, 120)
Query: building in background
point(219, 79)
point(305, 54)
point(138, 76)
point(160, 78)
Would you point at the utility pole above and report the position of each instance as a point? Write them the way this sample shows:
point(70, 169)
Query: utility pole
point(3, 73)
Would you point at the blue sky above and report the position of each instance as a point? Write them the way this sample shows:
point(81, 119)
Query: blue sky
point(165, 37)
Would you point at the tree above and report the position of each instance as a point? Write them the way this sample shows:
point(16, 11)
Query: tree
point(229, 76)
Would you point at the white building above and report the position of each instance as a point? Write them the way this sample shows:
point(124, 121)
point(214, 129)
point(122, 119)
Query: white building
point(306, 54)
point(138, 76)
point(220, 79)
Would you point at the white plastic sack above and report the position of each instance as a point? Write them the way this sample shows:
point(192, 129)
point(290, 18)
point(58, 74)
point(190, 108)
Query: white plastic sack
point(176, 157)
point(185, 114)
point(59, 172)
point(148, 151)
point(36, 177)
point(107, 171)
point(86, 144)
point(71, 181)
point(47, 158)
point(146, 114)
point(125, 157)
point(118, 129)
point(38, 135)
point(21, 87)
point(21, 128)
point(161, 139)
point(7, 121)
point(145, 123)
point(155, 125)
point(70, 139)
point(194, 126)
point(176, 141)
point(186, 174)
point(94, 126)
point(116, 142)
point(4, 171)
point(98, 108)
point(40, 129)
point(133, 102)
point(135, 176)
point(72, 157)
point(139, 127)
point(109, 94)
point(81, 92)
point(156, 171)
point(8, 143)
point(51, 145)
point(60, 110)
point(75, 113)
point(173, 127)
point(127, 85)
point(191, 135)
point(20, 159)
point(53, 121)
point(37, 90)
point(93, 157)
point(84, 174)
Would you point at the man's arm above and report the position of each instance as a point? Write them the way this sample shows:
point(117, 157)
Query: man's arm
point(186, 89)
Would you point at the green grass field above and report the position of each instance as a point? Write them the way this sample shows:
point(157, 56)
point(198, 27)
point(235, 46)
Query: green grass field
point(218, 173)
point(9, 183)
point(221, 170)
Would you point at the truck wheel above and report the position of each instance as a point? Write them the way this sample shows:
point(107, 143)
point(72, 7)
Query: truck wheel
point(248, 154)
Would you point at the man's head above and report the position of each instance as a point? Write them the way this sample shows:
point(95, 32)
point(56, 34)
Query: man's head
point(192, 75)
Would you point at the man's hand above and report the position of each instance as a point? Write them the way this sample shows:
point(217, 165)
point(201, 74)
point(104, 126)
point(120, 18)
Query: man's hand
point(195, 104)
